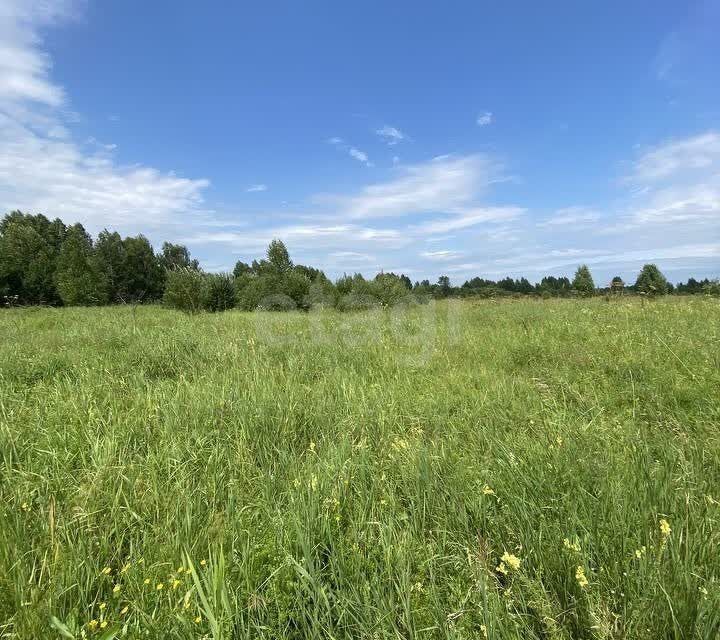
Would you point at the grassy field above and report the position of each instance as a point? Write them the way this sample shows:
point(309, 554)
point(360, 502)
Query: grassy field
point(522, 469)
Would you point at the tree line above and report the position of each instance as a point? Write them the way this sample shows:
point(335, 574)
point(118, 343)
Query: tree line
point(48, 262)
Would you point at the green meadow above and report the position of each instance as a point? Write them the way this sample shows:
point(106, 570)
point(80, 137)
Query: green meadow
point(535, 469)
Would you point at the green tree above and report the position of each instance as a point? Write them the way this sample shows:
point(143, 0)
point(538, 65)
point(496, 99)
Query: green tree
point(389, 289)
point(278, 257)
point(651, 281)
point(712, 288)
point(27, 265)
point(142, 279)
point(241, 268)
point(111, 258)
point(79, 280)
point(185, 290)
point(583, 281)
point(444, 288)
point(29, 247)
point(176, 256)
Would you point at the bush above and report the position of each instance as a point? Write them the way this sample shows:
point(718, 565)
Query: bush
point(712, 288)
point(651, 281)
point(276, 302)
point(219, 292)
point(185, 290)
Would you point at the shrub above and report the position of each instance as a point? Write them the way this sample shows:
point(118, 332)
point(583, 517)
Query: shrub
point(651, 281)
point(185, 289)
point(712, 288)
point(219, 291)
point(276, 302)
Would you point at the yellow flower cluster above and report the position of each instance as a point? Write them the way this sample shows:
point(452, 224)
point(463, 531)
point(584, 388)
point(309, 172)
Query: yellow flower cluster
point(665, 528)
point(173, 582)
point(571, 546)
point(580, 577)
point(508, 562)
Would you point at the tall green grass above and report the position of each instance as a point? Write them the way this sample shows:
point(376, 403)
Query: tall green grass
point(332, 475)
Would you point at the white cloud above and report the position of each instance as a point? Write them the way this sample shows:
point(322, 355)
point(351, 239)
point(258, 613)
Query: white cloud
point(464, 218)
point(677, 182)
point(485, 118)
point(353, 152)
point(391, 135)
point(678, 157)
point(353, 256)
point(254, 188)
point(572, 218)
point(442, 185)
point(360, 156)
point(305, 236)
point(24, 66)
point(42, 169)
point(442, 255)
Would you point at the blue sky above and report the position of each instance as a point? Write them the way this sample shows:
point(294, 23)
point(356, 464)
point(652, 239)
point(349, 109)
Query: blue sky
point(463, 138)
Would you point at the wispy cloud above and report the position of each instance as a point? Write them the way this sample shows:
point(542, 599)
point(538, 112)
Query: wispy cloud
point(677, 181)
point(572, 218)
point(43, 169)
point(463, 218)
point(353, 152)
point(391, 135)
point(443, 255)
point(484, 118)
point(360, 156)
point(680, 156)
point(442, 185)
point(305, 236)
point(254, 188)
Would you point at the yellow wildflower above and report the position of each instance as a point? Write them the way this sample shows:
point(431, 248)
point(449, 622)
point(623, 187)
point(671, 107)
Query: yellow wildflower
point(125, 568)
point(580, 577)
point(124, 610)
point(160, 586)
point(146, 581)
point(107, 571)
point(512, 561)
point(483, 628)
point(92, 625)
point(571, 546)
point(488, 491)
point(103, 624)
point(180, 570)
point(102, 606)
point(203, 563)
point(665, 528)
point(198, 620)
point(639, 553)
point(25, 506)
point(176, 583)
